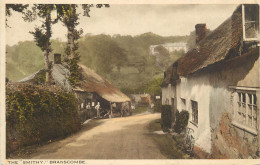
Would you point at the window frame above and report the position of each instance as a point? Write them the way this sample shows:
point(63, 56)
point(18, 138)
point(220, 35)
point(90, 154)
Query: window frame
point(194, 112)
point(250, 112)
point(244, 22)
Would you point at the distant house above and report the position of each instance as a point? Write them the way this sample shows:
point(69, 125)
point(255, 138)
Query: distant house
point(144, 99)
point(91, 89)
point(218, 84)
point(171, 47)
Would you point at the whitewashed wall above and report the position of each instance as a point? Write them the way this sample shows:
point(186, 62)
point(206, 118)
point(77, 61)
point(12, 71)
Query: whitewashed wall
point(168, 93)
point(197, 89)
point(211, 91)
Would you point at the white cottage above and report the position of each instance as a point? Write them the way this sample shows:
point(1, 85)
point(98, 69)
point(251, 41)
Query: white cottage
point(218, 84)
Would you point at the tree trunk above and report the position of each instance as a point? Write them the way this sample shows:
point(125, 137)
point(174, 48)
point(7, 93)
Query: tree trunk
point(71, 28)
point(71, 42)
point(47, 68)
point(47, 49)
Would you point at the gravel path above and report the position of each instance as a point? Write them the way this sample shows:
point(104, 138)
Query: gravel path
point(117, 138)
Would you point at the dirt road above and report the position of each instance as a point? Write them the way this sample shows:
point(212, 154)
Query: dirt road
point(117, 138)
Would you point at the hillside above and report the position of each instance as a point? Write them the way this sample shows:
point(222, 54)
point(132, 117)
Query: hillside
point(123, 60)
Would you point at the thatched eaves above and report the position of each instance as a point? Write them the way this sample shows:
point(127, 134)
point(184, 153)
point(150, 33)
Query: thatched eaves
point(91, 82)
point(222, 43)
point(171, 75)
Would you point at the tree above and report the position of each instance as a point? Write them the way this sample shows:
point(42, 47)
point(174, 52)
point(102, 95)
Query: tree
point(43, 33)
point(154, 86)
point(118, 55)
point(15, 7)
point(163, 59)
point(70, 20)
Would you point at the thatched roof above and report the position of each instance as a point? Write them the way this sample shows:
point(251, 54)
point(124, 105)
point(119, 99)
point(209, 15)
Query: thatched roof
point(31, 77)
point(91, 82)
point(222, 43)
point(170, 74)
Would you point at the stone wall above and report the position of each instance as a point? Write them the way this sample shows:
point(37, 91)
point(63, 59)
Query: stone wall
point(231, 142)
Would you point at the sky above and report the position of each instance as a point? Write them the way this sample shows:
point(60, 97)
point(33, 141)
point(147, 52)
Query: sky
point(164, 20)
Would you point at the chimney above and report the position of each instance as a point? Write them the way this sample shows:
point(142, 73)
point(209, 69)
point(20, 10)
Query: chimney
point(200, 30)
point(57, 58)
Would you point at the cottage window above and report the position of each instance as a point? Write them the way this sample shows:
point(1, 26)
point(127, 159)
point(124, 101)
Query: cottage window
point(167, 102)
point(194, 107)
point(183, 104)
point(245, 112)
point(172, 102)
point(250, 14)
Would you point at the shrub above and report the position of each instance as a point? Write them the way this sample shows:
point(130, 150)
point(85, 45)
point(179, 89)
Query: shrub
point(157, 106)
point(182, 119)
point(36, 114)
point(166, 117)
point(40, 78)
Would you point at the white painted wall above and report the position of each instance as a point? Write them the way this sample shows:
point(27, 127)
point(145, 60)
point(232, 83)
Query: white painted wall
point(197, 89)
point(211, 91)
point(168, 93)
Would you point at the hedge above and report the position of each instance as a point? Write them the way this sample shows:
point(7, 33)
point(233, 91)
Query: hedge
point(166, 117)
point(182, 119)
point(36, 114)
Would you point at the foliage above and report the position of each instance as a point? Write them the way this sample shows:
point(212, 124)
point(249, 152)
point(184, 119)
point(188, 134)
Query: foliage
point(123, 60)
point(182, 119)
point(140, 109)
point(23, 59)
point(75, 75)
point(166, 117)
point(36, 114)
point(41, 38)
point(175, 55)
point(70, 20)
point(157, 106)
point(153, 86)
point(163, 59)
point(86, 8)
point(15, 7)
point(40, 78)
point(43, 33)
point(155, 125)
point(168, 147)
point(102, 53)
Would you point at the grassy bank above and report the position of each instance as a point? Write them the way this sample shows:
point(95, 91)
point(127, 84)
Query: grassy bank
point(165, 142)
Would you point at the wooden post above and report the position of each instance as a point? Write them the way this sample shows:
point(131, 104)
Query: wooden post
point(111, 108)
point(121, 109)
point(130, 108)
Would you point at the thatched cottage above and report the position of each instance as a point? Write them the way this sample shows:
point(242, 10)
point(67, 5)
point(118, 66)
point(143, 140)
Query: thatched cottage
point(92, 88)
point(217, 82)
